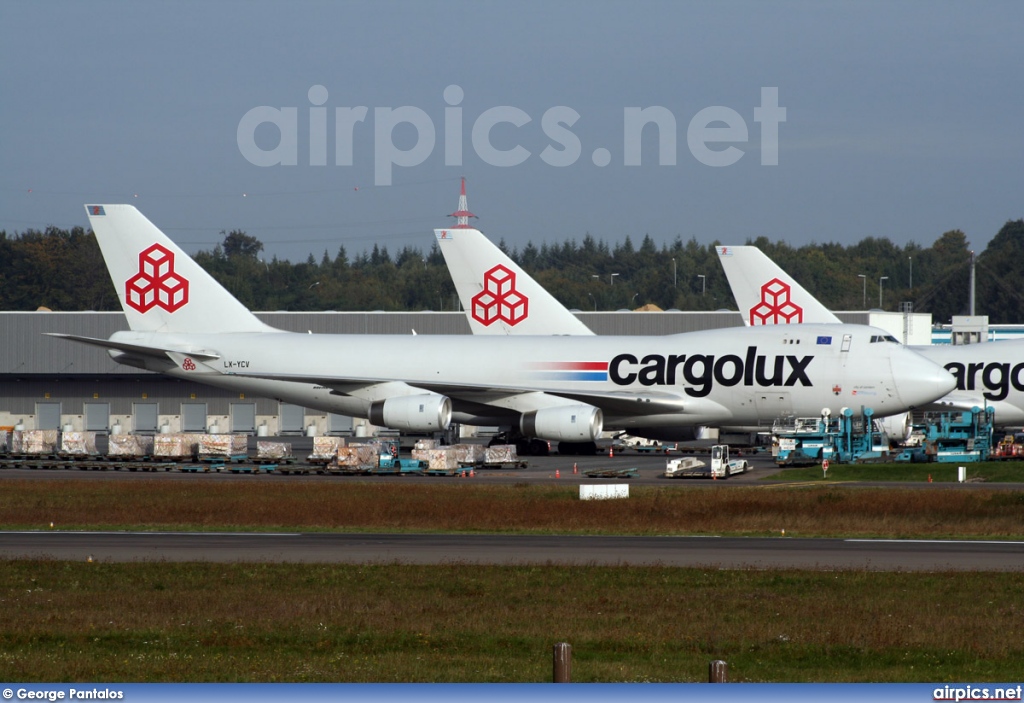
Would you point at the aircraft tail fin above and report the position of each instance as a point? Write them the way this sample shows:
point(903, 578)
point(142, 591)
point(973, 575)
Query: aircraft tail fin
point(160, 287)
point(766, 294)
point(499, 297)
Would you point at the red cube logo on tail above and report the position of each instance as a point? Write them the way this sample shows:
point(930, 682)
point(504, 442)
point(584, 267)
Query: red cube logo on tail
point(156, 283)
point(775, 307)
point(499, 300)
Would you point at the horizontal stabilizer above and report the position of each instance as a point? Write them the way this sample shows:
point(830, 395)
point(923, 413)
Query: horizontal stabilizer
point(139, 349)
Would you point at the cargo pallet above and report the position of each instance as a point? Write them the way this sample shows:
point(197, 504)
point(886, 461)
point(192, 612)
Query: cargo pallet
point(237, 465)
point(91, 465)
point(23, 461)
point(32, 457)
point(612, 473)
point(277, 461)
point(224, 459)
point(288, 469)
point(338, 470)
point(200, 468)
point(687, 467)
point(246, 468)
point(147, 465)
point(519, 464)
point(446, 472)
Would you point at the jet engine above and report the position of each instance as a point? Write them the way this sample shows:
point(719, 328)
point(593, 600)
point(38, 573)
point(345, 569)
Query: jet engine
point(682, 433)
point(570, 423)
point(896, 427)
point(428, 412)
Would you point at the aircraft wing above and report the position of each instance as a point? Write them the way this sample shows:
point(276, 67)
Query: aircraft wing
point(141, 349)
point(612, 402)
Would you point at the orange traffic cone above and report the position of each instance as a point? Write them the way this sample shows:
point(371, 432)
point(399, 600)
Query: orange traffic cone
point(471, 473)
point(611, 452)
point(557, 474)
point(929, 478)
point(574, 470)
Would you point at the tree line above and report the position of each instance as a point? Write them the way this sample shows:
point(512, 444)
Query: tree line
point(63, 270)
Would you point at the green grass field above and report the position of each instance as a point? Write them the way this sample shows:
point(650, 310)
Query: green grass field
point(248, 622)
point(812, 508)
point(74, 622)
point(985, 472)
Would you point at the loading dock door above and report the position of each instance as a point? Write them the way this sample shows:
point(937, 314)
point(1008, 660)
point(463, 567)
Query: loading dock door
point(339, 424)
point(292, 417)
point(97, 417)
point(145, 417)
point(243, 417)
point(193, 417)
point(47, 416)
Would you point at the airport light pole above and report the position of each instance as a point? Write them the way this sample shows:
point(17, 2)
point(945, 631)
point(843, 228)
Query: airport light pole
point(703, 284)
point(595, 302)
point(910, 259)
point(673, 272)
point(611, 278)
point(864, 278)
point(632, 299)
point(883, 278)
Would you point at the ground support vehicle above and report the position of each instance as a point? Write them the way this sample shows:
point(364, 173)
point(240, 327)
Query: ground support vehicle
point(846, 439)
point(406, 467)
point(641, 445)
point(724, 467)
point(1011, 446)
point(957, 437)
point(391, 465)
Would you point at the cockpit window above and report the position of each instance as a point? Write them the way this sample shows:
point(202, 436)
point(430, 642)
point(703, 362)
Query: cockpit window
point(878, 338)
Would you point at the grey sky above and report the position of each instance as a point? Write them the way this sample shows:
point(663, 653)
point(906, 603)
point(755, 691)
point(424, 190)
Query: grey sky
point(903, 120)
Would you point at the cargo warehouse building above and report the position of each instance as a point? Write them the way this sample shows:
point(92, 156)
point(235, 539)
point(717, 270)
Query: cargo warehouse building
point(48, 383)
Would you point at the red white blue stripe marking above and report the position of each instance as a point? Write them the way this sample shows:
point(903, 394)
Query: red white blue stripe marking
point(570, 370)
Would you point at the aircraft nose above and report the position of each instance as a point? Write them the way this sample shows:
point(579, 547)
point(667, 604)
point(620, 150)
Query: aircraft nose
point(918, 380)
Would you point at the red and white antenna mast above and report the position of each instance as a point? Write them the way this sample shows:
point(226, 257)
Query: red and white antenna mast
point(462, 214)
